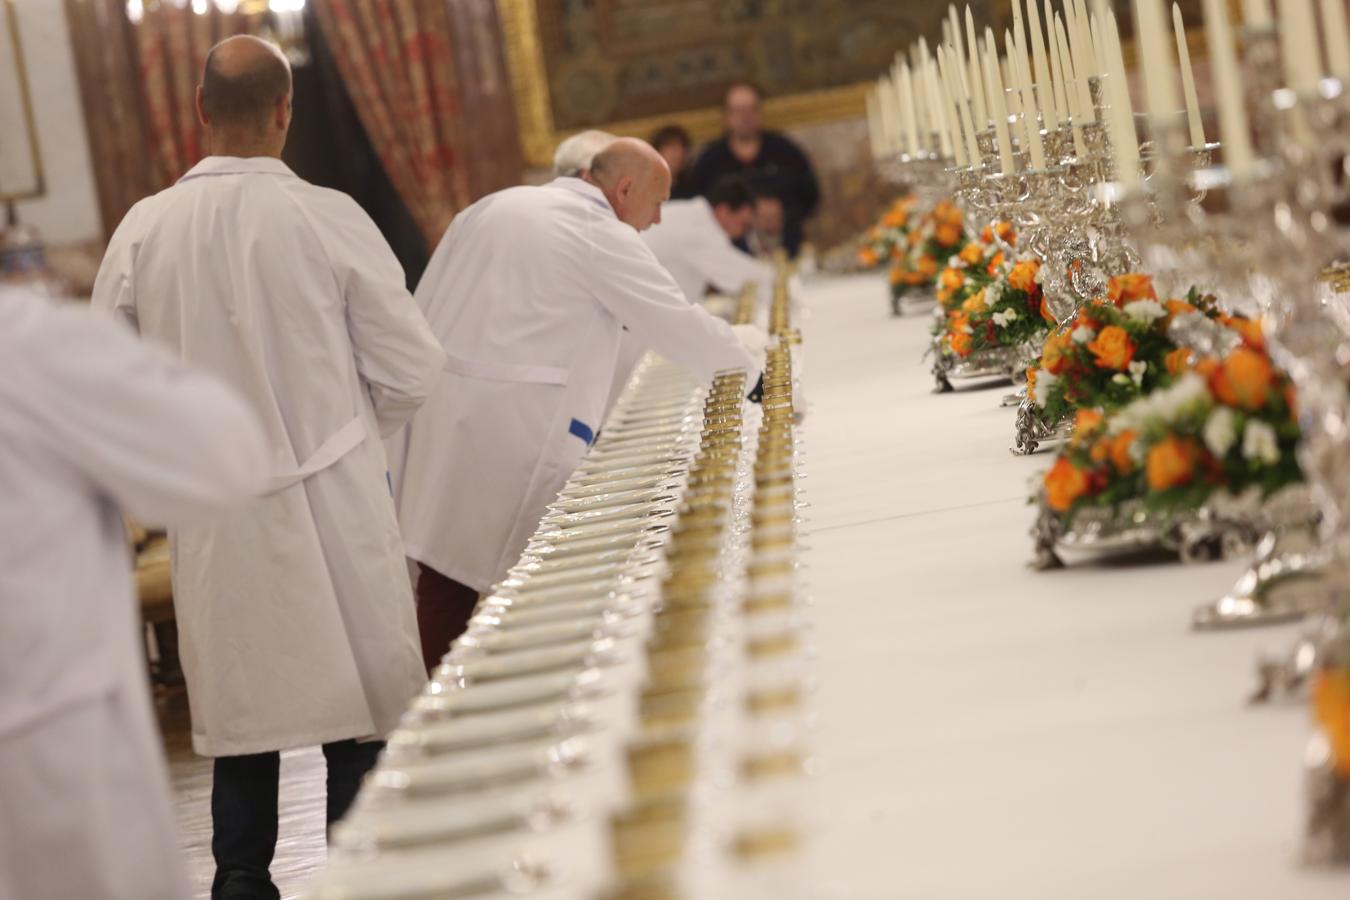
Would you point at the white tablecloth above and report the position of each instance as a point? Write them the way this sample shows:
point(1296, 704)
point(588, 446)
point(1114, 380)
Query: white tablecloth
point(987, 731)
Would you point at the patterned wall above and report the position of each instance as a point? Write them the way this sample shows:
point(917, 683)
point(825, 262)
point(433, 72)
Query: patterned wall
point(613, 60)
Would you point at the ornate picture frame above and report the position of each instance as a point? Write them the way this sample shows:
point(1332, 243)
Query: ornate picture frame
point(534, 114)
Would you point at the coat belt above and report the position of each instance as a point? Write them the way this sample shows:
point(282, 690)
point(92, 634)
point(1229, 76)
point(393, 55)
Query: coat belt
point(494, 371)
point(339, 444)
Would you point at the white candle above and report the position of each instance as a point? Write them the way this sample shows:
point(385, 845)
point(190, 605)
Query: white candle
point(1062, 107)
point(1298, 45)
point(1256, 13)
point(1338, 39)
point(993, 83)
point(1124, 139)
point(1160, 76)
point(1085, 57)
point(1099, 47)
point(1188, 80)
point(973, 145)
point(977, 92)
point(1030, 120)
point(1045, 92)
point(1080, 53)
point(911, 119)
point(954, 20)
point(1072, 82)
point(960, 151)
point(1237, 145)
point(935, 105)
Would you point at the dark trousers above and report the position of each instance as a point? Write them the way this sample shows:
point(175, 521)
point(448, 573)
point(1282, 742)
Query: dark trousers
point(444, 607)
point(244, 813)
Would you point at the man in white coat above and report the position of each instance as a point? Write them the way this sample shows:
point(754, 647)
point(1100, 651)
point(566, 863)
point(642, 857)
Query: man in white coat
point(92, 422)
point(529, 291)
point(572, 158)
point(296, 620)
point(694, 241)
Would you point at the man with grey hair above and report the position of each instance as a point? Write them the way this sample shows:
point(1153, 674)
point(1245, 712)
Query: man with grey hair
point(529, 291)
point(295, 613)
point(573, 157)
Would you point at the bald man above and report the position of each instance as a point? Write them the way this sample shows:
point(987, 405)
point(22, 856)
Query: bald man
point(295, 614)
point(529, 291)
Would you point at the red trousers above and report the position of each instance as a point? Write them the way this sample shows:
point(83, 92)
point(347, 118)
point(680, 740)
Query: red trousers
point(444, 607)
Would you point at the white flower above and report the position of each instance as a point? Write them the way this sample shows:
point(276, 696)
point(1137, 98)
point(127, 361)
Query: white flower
point(1259, 442)
point(955, 262)
point(1041, 392)
point(1003, 317)
point(1082, 334)
point(1220, 433)
point(993, 293)
point(1137, 370)
point(1144, 310)
point(1164, 405)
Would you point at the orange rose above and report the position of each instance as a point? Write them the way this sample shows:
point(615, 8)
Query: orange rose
point(1101, 450)
point(947, 235)
point(1331, 706)
point(894, 219)
point(1206, 367)
point(1178, 360)
point(1084, 424)
point(1178, 307)
point(867, 257)
point(927, 266)
point(952, 279)
point(1031, 380)
point(1083, 320)
point(1005, 231)
point(972, 254)
point(948, 213)
point(959, 343)
point(944, 296)
point(914, 237)
point(1244, 379)
point(897, 275)
point(1120, 451)
point(995, 263)
point(974, 303)
point(987, 235)
point(1171, 462)
point(1054, 356)
point(1124, 289)
point(1250, 329)
point(1112, 348)
point(1064, 484)
point(1023, 275)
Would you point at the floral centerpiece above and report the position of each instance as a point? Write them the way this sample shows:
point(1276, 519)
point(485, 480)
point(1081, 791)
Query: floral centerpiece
point(933, 239)
point(1220, 425)
point(884, 240)
point(1121, 347)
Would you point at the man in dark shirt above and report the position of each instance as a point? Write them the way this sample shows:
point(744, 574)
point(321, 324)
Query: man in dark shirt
point(775, 166)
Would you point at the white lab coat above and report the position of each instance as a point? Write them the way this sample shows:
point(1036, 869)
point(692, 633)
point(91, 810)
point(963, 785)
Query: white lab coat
point(93, 422)
point(295, 614)
point(698, 254)
point(692, 246)
point(529, 291)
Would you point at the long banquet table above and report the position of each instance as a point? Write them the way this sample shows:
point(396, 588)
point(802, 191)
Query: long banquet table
point(987, 731)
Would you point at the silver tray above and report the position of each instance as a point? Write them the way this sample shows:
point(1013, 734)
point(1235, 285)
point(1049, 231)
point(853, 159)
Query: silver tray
point(1224, 527)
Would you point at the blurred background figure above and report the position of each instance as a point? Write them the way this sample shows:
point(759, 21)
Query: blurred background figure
point(573, 157)
point(676, 148)
point(774, 164)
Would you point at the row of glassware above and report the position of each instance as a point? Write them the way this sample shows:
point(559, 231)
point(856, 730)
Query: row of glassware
point(625, 716)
